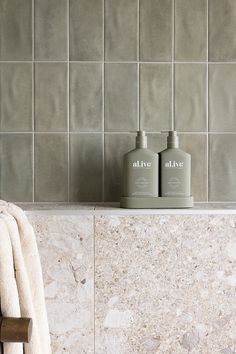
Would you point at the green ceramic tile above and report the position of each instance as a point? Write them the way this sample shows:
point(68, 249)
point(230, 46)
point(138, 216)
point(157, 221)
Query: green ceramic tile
point(86, 111)
point(86, 29)
point(116, 145)
point(222, 167)
point(196, 146)
point(222, 28)
point(15, 30)
point(120, 97)
point(222, 97)
point(16, 167)
point(121, 30)
point(51, 97)
point(155, 30)
point(51, 168)
point(191, 30)
point(86, 167)
point(190, 97)
point(51, 30)
point(15, 97)
point(155, 96)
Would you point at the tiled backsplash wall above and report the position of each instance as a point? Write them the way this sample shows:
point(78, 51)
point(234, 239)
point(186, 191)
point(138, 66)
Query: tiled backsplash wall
point(76, 76)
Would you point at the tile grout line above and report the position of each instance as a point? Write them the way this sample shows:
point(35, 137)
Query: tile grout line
point(138, 65)
point(207, 101)
point(112, 132)
point(103, 106)
point(173, 68)
point(114, 62)
point(94, 289)
point(68, 100)
point(33, 103)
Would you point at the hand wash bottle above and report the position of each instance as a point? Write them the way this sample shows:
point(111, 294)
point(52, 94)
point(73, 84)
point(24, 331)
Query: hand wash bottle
point(175, 167)
point(140, 170)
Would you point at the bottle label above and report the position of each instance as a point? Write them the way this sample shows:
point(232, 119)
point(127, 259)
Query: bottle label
point(141, 164)
point(174, 164)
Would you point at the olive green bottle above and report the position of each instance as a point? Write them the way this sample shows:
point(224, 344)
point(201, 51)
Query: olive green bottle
point(175, 169)
point(140, 170)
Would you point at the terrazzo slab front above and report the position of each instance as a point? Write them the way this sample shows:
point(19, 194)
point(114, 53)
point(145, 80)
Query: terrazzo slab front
point(165, 284)
point(66, 251)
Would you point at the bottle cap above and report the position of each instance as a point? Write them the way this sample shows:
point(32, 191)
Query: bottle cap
point(141, 139)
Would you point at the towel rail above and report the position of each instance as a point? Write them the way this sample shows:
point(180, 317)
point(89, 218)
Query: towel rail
point(15, 330)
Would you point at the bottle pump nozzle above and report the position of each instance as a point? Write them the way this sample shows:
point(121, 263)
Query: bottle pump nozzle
point(141, 139)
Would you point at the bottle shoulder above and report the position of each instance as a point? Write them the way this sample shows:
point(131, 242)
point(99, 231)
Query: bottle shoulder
point(141, 153)
point(176, 152)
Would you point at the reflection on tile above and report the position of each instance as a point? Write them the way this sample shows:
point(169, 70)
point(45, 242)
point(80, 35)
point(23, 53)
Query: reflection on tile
point(222, 28)
point(196, 146)
point(51, 167)
point(160, 281)
point(155, 30)
point(16, 30)
point(66, 251)
point(121, 30)
point(222, 167)
point(190, 30)
point(86, 97)
point(15, 97)
point(86, 29)
point(155, 97)
point(51, 30)
point(51, 97)
point(16, 167)
point(120, 97)
point(190, 97)
point(222, 97)
point(86, 167)
point(116, 145)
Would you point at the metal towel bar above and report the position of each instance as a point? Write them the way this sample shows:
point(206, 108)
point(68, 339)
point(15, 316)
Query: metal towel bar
point(16, 330)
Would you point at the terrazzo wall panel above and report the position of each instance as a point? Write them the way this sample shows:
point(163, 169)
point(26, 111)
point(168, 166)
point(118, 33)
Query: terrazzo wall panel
point(77, 76)
point(161, 284)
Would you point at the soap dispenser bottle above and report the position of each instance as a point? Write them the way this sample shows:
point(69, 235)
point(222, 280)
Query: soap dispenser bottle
point(175, 167)
point(140, 170)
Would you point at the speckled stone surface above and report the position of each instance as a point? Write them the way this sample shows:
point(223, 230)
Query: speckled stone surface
point(66, 251)
point(165, 284)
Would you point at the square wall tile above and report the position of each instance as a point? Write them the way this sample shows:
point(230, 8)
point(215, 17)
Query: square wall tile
point(16, 30)
point(222, 97)
point(155, 96)
point(51, 30)
point(86, 112)
point(86, 30)
point(222, 29)
point(16, 169)
point(155, 30)
point(196, 146)
point(222, 167)
point(15, 97)
point(121, 30)
point(121, 97)
point(86, 154)
point(190, 97)
point(191, 30)
point(116, 145)
point(51, 167)
point(51, 97)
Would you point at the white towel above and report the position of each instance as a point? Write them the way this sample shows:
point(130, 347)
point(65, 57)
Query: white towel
point(21, 282)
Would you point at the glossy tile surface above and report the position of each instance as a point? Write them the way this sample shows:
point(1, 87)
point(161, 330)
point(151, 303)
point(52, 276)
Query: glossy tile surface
point(155, 30)
point(120, 97)
point(15, 97)
point(222, 28)
point(222, 96)
point(191, 30)
point(51, 167)
point(222, 167)
point(121, 30)
point(51, 30)
point(116, 145)
point(155, 97)
point(196, 146)
point(50, 97)
point(190, 97)
point(86, 30)
point(16, 167)
point(86, 112)
point(86, 151)
point(15, 30)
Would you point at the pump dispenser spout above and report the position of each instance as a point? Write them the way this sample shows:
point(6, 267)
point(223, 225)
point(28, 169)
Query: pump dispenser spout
point(172, 139)
point(141, 140)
